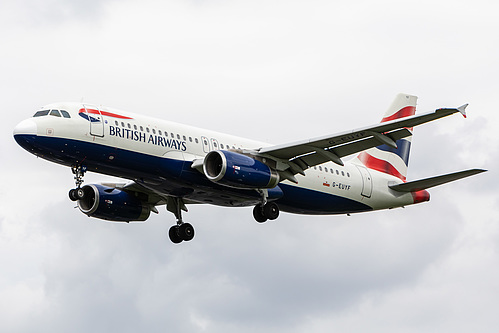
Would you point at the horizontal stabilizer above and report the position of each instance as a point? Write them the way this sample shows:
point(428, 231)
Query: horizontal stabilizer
point(423, 184)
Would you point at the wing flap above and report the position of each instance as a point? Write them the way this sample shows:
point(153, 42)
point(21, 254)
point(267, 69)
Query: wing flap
point(426, 183)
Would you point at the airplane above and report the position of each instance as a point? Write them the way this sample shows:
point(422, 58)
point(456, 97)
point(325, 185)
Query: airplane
point(176, 165)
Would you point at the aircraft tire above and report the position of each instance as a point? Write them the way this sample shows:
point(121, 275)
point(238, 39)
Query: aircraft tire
point(186, 231)
point(79, 193)
point(72, 195)
point(271, 210)
point(174, 235)
point(258, 214)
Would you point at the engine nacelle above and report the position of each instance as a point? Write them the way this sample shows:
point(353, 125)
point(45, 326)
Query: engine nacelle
point(111, 204)
point(237, 170)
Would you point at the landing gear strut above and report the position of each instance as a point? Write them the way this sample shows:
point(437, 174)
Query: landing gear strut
point(77, 193)
point(265, 210)
point(181, 231)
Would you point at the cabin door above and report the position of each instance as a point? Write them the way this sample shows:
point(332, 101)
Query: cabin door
point(96, 120)
point(367, 182)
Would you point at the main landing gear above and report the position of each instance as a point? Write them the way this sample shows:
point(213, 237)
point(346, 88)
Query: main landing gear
point(182, 231)
point(265, 210)
point(77, 193)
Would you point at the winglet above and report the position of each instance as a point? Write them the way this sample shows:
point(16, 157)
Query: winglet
point(462, 109)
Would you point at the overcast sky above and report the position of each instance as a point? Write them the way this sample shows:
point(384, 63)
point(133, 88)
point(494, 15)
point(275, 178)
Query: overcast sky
point(274, 71)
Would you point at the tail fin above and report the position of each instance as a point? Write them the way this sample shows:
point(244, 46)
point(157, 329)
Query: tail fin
point(387, 159)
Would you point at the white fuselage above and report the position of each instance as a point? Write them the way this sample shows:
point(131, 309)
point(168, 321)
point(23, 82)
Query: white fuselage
point(159, 153)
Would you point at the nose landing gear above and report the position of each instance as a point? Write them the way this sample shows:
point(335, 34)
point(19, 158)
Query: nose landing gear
point(77, 193)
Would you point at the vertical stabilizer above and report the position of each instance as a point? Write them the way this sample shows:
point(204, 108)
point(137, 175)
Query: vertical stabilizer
point(393, 161)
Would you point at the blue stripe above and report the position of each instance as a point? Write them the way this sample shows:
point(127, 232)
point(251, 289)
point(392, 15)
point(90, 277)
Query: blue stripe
point(305, 201)
point(176, 177)
point(403, 150)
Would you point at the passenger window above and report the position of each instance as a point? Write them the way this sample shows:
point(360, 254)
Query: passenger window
point(159, 132)
point(65, 114)
point(122, 124)
point(185, 139)
point(337, 172)
point(222, 145)
point(147, 129)
point(196, 139)
point(172, 135)
point(135, 127)
point(190, 139)
point(55, 113)
point(343, 173)
point(325, 169)
point(141, 129)
point(348, 175)
point(320, 168)
point(153, 131)
point(166, 134)
point(129, 126)
point(116, 122)
point(178, 136)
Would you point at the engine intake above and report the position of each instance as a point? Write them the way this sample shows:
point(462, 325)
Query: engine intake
point(239, 171)
point(111, 204)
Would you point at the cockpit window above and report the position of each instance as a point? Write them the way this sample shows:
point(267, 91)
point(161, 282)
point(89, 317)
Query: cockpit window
point(65, 114)
point(41, 113)
point(55, 113)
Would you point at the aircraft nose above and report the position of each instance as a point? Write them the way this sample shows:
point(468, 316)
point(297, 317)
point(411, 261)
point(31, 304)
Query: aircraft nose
point(26, 127)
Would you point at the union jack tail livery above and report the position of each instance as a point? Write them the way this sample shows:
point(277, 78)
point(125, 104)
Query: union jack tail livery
point(393, 159)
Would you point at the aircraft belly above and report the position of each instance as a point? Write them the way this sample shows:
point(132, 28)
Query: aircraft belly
point(175, 177)
point(308, 201)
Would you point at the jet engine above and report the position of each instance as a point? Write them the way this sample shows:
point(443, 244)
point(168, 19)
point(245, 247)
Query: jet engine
point(112, 204)
point(239, 171)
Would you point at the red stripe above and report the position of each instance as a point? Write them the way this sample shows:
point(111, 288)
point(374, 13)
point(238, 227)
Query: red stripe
point(404, 112)
point(379, 165)
point(104, 113)
point(420, 196)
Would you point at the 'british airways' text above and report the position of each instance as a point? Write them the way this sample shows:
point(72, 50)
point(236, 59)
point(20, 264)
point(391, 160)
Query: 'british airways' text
point(147, 138)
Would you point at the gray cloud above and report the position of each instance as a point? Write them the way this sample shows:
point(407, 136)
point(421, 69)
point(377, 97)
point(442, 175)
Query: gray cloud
point(271, 72)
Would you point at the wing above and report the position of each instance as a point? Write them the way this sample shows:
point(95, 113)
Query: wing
point(154, 197)
point(296, 157)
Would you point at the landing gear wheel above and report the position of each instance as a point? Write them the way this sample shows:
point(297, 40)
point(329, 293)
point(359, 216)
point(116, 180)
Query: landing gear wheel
point(79, 193)
point(271, 210)
point(258, 214)
point(186, 231)
point(174, 234)
point(72, 195)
